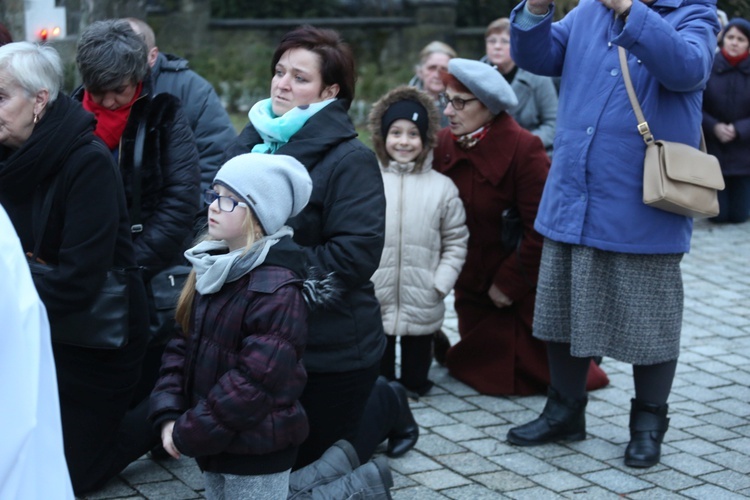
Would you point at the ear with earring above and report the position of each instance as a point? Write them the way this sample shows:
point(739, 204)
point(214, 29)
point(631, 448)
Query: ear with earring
point(36, 118)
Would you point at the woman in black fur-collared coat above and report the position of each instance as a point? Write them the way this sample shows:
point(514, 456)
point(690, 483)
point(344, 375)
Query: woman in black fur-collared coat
point(113, 63)
point(112, 60)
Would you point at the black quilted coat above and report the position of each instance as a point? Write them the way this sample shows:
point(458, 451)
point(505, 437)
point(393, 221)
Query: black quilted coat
point(170, 179)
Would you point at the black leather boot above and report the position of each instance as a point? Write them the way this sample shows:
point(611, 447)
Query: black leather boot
point(648, 424)
point(562, 419)
point(405, 432)
point(440, 345)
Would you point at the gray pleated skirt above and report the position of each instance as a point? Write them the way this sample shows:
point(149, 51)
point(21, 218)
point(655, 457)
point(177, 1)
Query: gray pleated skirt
point(624, 306)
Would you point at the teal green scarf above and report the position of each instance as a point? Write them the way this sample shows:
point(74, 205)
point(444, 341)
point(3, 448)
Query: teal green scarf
point(277, 130)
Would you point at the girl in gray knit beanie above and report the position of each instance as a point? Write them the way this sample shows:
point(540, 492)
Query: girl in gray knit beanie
point(245, 322)
point(268, 189)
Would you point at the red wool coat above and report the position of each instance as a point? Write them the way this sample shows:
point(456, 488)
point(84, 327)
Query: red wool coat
point(497, 353)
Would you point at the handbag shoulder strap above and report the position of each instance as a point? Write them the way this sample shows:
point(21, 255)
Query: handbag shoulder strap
point(643, 127)
point(44, 216)
point(135, 212)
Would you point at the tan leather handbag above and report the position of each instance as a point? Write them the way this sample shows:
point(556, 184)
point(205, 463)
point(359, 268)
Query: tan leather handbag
point(676, 177)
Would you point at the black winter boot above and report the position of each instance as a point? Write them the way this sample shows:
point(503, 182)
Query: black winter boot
point(405, 432)
point(562, 419)
point(648, 424)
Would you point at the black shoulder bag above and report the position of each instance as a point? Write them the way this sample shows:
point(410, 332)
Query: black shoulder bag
point(104, 324)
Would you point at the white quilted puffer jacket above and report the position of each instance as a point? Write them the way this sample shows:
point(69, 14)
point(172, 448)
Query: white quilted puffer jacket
point(425, 248)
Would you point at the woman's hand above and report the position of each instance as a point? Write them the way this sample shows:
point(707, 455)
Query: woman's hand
point(725, 132)
point(498, 298)
point(166, 439)
point(618, 6)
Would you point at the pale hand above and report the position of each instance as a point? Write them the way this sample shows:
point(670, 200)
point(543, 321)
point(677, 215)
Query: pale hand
point(166, 439)
point(725, 132)
point(538, 7)
point(618, 6)
point(498, 298)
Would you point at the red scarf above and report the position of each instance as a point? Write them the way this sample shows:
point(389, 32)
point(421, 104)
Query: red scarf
point(734, 61)
point(468, 141)
point(110, 123)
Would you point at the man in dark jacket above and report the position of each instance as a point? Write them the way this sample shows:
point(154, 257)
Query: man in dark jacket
point(209, 120)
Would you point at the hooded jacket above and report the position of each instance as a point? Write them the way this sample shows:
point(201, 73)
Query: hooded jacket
point(212, 128)
point(233, 384)
point(425, 230)
point(341, 231)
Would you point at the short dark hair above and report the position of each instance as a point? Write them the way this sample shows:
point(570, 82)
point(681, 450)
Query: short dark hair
point(110, 52)
point(336, 59)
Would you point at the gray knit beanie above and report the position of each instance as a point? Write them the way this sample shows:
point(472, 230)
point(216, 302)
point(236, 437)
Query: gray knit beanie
point(485, 82)
point(276, 187)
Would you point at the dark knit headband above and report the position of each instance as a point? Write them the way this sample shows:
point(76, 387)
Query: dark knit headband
point(407, 110)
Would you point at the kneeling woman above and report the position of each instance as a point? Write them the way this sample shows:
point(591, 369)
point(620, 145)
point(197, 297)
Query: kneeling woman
point(497, 165)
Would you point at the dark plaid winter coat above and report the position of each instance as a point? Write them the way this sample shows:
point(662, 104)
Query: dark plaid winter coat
point(233, 384)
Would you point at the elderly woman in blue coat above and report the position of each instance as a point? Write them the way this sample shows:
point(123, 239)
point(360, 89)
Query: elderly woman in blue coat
point(610, 282)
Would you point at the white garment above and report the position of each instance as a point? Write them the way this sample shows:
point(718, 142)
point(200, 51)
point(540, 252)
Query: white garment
point(425, 249)
point(32, 460)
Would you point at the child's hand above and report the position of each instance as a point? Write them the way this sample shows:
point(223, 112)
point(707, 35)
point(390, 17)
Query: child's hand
point(498, 298)
point(166, 439)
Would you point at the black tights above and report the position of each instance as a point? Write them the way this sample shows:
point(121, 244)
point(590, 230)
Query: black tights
point(568, 373)
point(653, 383)
point(416, 358)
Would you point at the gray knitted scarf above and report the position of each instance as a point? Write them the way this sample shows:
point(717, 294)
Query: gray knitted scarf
point(213, 267)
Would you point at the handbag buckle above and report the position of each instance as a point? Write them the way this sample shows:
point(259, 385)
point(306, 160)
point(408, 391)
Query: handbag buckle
point(645, 133)
point(136, 228)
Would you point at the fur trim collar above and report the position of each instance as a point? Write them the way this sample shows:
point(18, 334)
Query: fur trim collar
point(381, 106)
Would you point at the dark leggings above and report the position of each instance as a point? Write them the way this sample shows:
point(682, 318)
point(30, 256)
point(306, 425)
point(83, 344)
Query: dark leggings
point(334, 403)
point(568, 373)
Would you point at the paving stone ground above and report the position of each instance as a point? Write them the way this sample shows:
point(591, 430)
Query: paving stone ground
point(462, 452)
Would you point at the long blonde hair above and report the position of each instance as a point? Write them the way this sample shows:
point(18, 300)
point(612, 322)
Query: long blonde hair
point(184, 308)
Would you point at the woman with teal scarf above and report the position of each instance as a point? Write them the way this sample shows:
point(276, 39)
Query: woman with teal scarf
point(341, 230)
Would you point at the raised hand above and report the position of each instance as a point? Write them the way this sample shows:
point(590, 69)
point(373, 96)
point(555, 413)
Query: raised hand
point(618, 6)
point(538, 7)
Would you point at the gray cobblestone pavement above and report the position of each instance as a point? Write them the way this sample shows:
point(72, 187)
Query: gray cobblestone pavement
point(462, 452)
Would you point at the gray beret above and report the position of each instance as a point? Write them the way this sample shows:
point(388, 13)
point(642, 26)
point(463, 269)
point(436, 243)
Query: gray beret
point(276, 187)
point(485, 82)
